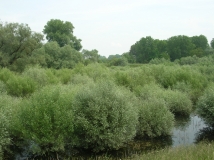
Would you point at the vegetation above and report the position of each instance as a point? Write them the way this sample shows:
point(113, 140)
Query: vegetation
point(55, 99)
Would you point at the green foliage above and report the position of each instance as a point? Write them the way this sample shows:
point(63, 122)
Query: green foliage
point(51, 55)
point(38, 74)
point(94, 70)
point(122, 61)
point(105, 115)
point(17, 42)
point(212, 43)
point(155, 119)
point(205, 105)
point(20, 86)
point(169, 76)
point(176, 101)
point(62, 33)
point(90, 56)
point(144, 50)
point(188, 60)
point(200, 42)
point(179, 46)
point(7, 106)
point(5, 74)
point(45, 120)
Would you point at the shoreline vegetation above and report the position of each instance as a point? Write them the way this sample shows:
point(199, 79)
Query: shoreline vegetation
point(55, 99)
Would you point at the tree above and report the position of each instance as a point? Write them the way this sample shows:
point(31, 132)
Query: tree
point(200, 41)
point(90, 56)
point(17, 42)
point(62, 33)
point(144, 50)
point(51, 55)
point(179, 46)
point(212, 43)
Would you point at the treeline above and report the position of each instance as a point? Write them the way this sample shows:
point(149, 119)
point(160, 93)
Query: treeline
point(21, 47)
point(173, 48)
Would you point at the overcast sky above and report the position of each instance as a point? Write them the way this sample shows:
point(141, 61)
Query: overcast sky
point(112, 26)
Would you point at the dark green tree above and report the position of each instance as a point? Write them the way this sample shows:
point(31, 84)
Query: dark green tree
point(212, 43)
point(179, 46)
point(17, 42)
point(144, 50)
point(200, 41)
point(62, 33)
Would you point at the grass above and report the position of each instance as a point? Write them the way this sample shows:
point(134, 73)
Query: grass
point(202, 151)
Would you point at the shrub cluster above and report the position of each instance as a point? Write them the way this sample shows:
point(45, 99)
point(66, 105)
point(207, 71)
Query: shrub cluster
point(205, 105)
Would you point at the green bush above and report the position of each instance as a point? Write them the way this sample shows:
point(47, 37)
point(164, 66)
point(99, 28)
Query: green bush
point(45, 120)
point(3, 89)
point(38, 74)
point(205, 105)
point(81, 79)
point(5, 74)
point(8, 106)
point(105, 116)
point(20, 86)
point(155, 119)
point(177, 102)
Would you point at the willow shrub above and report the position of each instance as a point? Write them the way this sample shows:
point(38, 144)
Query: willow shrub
point(105, 116)
point(20, 86)
point(38, 74)
point(5, 74)
point(205, 105)
point(177, 102)
point(45, 120)
point(169, 76)
point(95, 71)
point(155, 119)
point(8, 106)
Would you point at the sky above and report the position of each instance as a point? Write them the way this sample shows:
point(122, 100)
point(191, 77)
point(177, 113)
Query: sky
point(113, 26)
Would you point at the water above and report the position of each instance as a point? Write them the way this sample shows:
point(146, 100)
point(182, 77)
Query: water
point(186, 130)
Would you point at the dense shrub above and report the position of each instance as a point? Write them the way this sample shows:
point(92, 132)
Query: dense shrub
point(205, 105)
point(2, 87)
point(95, 71)
point(105, 116)
point(8, 106)
point(38, 74)
point(5, 74)
point(169, 76)
point(20, 86)
point(155, 119)
point(81, 79)
point(45, 120)
point(177, 102)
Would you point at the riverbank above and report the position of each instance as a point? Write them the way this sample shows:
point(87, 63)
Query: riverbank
point(192, 152)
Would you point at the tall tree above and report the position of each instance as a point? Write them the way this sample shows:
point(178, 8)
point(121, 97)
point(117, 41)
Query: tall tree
point(179, 46)
point(212, 43)
point(144, 50)
point(17, 42)
point(200, 41)
point(62, 33)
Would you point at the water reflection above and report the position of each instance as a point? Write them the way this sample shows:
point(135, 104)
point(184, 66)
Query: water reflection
point(205, 134)
point(186, 129)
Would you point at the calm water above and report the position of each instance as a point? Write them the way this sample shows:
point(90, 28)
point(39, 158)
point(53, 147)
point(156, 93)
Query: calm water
point(186, 130)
